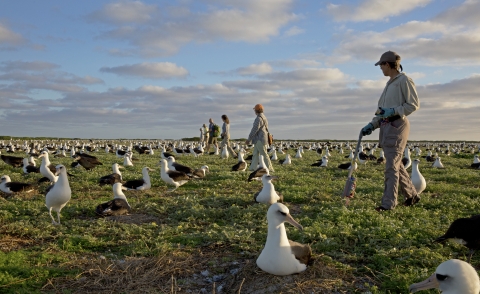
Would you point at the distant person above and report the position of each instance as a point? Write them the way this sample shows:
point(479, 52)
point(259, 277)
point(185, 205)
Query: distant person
point(226, 135)
point(205, 134)
point(259, 137)
point(398, 100)
point(202, 135)
point(212, 138)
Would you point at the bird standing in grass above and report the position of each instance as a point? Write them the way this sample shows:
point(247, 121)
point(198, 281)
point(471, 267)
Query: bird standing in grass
point(58, 194)
point(438, 163)
point(268, 194)
point(417, 178)
point(172, 177)
point(46, 168)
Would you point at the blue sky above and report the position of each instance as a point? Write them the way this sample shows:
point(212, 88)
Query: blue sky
point(160, 69)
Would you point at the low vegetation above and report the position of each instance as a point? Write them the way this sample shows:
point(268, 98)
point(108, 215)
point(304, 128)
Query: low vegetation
point(205, 236)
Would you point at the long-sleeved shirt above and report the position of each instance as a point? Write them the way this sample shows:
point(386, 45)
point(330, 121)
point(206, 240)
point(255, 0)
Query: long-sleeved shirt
point(259, 130)
point(226, 130)
point(399, 94)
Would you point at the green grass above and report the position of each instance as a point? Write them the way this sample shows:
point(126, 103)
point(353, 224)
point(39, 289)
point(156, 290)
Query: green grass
point(386, 252)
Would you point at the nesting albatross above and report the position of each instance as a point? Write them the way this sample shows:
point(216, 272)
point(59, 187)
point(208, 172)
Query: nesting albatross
point(117, 206)
point(281, 256)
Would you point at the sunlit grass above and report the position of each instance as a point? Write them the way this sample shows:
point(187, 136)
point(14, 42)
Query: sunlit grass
point(391, 250)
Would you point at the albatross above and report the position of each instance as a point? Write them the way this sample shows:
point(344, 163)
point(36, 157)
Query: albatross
point(140, 184)
point(117, 206)
point(46, 168)
point(9, 187)
point(58, 194)
point(115, 177)
point(260, 171)
point(451, 277)
point(268, 194)
point(281, 256)
point(172, 177)
point(241, 165)
point(464, 231)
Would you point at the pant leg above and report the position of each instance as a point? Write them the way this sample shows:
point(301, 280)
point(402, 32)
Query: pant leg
point(254, 163)
point(262, 150)
point(393, 141)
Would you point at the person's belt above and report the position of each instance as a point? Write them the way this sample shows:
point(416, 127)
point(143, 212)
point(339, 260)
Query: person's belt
point(392, 118)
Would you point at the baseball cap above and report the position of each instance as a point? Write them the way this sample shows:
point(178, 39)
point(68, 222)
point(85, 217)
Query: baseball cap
point(389, 56)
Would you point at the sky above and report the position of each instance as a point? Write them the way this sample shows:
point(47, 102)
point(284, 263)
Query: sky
point(161, 69)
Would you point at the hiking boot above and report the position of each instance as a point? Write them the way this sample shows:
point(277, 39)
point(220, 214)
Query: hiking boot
point(412, 201)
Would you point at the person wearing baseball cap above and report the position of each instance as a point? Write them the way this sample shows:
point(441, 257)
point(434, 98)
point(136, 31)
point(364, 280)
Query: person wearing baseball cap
point(259, 137)
point(398, 100)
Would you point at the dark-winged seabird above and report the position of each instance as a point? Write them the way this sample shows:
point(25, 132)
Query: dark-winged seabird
point(115, 177)
point(464, 231)
point(9, 187)
point(117, 206)
point(172, 177)
point(12, 160)
point(140, 184)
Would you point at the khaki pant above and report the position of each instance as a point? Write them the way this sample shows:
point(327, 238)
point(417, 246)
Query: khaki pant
point(226, 141)
point(260, 149)
point(393, 139)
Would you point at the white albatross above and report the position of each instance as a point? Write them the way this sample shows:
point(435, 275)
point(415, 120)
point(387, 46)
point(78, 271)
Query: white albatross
point(451, 277)
point(268, 194)
point(417, 178)
point(281, 256)
point(58, 194)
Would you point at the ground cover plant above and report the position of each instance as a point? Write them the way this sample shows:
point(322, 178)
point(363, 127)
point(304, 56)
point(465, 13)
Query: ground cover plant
point(205, 236)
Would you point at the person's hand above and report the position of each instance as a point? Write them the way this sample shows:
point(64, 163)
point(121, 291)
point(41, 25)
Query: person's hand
point(367, 130)
point(385, 112)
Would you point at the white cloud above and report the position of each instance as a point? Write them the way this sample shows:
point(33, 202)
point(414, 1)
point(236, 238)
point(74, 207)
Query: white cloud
point(373, 10)
point(293, 31)
point(27, 65)
point(255, 69)
point(125, 12)
point(8, 37)
point(163, 34)
point(434, 42)
point(297, 103)
point(157, 70)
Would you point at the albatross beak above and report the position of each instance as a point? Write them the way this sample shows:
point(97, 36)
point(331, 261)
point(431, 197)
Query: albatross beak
point(429, 283)
point(293, 222)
